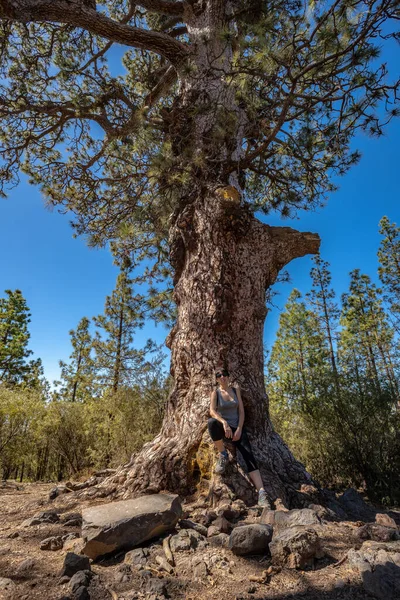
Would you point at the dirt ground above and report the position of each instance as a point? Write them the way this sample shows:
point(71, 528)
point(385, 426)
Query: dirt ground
point(229, 576)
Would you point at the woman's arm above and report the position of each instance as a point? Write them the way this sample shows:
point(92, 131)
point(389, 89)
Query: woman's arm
point(238, 431)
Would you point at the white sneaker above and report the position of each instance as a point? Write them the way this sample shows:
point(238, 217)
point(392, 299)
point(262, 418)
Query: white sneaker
point(263, 500)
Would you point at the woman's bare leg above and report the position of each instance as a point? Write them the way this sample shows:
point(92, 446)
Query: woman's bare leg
point(255, 477)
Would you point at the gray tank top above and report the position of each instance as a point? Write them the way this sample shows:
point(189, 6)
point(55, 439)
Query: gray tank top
point(228, 409)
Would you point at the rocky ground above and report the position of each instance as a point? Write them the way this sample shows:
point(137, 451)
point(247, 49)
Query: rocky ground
point(337, 561)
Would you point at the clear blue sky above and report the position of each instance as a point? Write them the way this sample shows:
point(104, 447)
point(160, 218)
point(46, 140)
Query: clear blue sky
point(63, 280)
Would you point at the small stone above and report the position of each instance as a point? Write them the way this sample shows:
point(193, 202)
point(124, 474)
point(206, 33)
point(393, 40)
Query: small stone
point(13, 535)
point(222, 524)
point(200, 571)
point(6, 584)
point(219, 541)
point(252, 589)
point(72, 520)
point(136, 557)
point(211, 531)
point(250, 539)
point(63, 579)
point(81, 593)
point(267, 517)
point(189, 524)
point(383, 519)
point(26, 567)
point(156, 586)
point(81, 578)
point(52, 543)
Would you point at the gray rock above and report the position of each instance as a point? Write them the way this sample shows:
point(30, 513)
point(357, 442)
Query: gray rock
point(81, 593)
point(355, 507)
point(53, 543)
point(219, 541)
point(6, 584)
point(212, 531)
point(378, 533)
point(268, 517)
point(118, 525)
point(222, 524)
point(386, 520)
point(137, 557)
point(26, 567)
point(295, 547)
point(48, 516)
point(323, 512)
point(58, 491)
point(199, 569)
point(72, 520)
point(189, 524)
point(13, 535)
point(74, 563)
point(250, 539)
point(290, 518)
point(81, 578)
point(185, 539)
point(205, 517)
point(379, 566)
point(156, 586)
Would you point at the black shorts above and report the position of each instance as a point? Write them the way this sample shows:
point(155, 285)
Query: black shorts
point(216, 430)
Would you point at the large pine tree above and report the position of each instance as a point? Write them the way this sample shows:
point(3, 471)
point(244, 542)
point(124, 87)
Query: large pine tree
point(210, 111)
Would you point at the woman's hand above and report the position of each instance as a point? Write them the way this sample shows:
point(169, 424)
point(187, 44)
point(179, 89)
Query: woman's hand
point(227, 430)
point(237, 435)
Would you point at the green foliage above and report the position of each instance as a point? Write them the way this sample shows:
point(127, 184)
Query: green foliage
point(334, 392)
point(14, 337)
point(109, 402)
point(389, 267)
point(116, 359)
point(77, 376)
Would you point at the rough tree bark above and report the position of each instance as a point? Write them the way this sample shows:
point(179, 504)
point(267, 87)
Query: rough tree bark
point(225, 261)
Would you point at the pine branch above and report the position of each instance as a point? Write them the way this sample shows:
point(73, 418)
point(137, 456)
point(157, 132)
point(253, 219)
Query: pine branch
point(62, 11)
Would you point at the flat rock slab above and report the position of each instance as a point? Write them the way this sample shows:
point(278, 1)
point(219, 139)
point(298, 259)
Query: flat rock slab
point(123, 525)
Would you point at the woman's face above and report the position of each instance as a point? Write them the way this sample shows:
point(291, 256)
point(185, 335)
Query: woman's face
point(222, 376)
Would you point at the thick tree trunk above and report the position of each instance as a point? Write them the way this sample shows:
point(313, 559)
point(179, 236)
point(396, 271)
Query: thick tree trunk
point(225, 260)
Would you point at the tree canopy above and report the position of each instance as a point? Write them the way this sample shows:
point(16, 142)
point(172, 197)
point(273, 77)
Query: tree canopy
point(100, 103)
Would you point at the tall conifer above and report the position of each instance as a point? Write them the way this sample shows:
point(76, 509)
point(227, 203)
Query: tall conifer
point(115, 357)
point(14, 337)
point(77, 376)
point(389, 267)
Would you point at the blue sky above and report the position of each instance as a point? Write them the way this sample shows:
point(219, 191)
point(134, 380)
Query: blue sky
point(63, 280)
